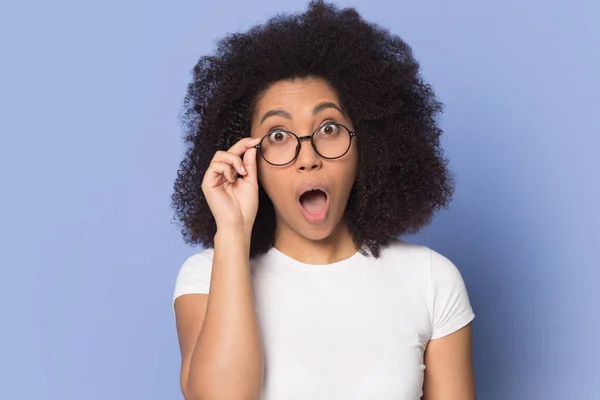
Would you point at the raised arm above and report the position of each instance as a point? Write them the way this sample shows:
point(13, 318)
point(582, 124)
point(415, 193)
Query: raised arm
point(221, 348)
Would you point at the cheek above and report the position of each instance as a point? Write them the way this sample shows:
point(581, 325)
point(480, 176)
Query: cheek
point(273, 182)
point(260, 168)
point(350, 170)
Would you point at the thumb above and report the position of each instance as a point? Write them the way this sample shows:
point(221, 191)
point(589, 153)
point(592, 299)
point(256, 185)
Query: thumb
point(250, 164)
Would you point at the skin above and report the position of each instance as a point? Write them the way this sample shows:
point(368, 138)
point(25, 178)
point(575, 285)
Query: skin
point(449, 367)
point(219, 336)
point(313, 244)
point(221, 348)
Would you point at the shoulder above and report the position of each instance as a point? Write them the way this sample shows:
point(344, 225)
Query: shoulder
point(440, 283)
point(200, 257)
point(197, 263)
point(400, 253)
point(431, 279)
point(418, 256)
point(434, 274)
point(194, 274)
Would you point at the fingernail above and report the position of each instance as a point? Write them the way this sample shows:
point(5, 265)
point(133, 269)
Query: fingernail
point(243, 169)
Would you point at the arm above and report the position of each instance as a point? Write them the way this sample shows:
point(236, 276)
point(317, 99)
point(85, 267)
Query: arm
point(449, 367)
point(218, 333)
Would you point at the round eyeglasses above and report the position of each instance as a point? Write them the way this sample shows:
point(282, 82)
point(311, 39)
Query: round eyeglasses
point(280, 147)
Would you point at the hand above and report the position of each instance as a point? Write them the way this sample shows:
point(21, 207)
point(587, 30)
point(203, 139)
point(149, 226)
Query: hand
point(233, 200)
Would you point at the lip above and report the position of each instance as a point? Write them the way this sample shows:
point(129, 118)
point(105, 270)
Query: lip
point(315, 219)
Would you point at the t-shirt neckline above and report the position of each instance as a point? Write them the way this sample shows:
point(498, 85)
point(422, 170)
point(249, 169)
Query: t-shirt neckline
point(317, 268)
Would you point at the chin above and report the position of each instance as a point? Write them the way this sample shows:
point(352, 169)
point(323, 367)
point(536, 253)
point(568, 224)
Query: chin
point(296, 224)
point(315, 232)
point(315, 236)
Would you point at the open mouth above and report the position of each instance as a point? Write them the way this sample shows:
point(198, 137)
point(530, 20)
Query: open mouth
point(314, 205)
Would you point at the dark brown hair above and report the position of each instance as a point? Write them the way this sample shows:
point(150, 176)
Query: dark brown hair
point(402, 177)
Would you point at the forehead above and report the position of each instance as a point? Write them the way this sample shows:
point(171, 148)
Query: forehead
point(295, 94)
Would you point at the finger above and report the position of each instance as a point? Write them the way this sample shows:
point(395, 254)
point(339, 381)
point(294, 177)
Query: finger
point(218, 171)
point(250, 163)
point(242, 145)
point(230, 174)
point(231, 159)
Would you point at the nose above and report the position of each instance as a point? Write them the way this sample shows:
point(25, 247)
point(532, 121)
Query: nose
point(307, 159)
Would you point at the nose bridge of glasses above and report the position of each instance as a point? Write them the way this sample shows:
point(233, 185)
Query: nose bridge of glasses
point(308, 138)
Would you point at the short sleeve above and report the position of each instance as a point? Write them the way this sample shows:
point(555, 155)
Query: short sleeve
point(194, 275)
point(451, 308)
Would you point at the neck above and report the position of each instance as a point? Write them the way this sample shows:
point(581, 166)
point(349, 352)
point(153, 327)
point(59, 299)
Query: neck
point(336, 247)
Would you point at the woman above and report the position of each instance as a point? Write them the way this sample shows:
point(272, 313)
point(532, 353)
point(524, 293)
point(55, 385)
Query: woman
point(312, 145)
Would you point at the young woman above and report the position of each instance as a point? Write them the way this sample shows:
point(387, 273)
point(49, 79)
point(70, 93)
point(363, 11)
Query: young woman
point(312, 145)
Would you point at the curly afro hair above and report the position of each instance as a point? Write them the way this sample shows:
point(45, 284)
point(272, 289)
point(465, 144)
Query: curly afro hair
point(402, 178)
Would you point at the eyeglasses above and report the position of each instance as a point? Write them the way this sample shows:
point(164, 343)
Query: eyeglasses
point(280, 147)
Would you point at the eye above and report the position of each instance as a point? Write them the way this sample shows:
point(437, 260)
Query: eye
point(278, 136)
point(329, 129)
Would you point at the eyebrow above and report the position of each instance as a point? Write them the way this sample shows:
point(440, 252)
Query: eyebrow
point(318, 108)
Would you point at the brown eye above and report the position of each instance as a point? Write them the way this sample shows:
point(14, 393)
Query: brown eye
point(278, 136)
point(329, 130)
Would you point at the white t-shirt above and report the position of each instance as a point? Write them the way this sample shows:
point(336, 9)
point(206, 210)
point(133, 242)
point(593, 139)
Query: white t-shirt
point(355, 329)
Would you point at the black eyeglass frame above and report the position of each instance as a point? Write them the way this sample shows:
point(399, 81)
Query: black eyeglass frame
point(312, 143)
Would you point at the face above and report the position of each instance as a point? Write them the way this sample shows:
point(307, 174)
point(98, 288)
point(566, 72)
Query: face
point(303, 106)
